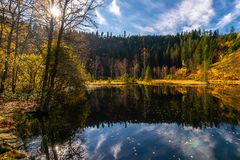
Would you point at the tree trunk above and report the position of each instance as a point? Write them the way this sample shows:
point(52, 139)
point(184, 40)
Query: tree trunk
point(56, 59)
point(2, 26)
point(8, 51)
point(14, 72)
point(47, 66)
point(205, 68)
point(56, 55)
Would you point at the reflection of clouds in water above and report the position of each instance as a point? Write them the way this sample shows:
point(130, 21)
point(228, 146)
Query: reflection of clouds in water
point(225, 135)
point(34, 148)
point(191, 141)
point(199, 144)
point(95, 139)
point(116, 149)
point(229, 138)
point(181, 142)
point(101, 139)
point(91, 129)
point(147, 129)
point(188, 128)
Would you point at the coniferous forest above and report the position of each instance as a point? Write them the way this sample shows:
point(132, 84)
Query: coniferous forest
point(175, 56)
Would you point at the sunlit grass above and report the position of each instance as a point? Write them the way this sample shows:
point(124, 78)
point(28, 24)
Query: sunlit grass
point(172, 82)
point(108, 82)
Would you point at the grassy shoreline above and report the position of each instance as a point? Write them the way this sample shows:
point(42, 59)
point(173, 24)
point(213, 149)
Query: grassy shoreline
point(165, 82)
point(110, 83)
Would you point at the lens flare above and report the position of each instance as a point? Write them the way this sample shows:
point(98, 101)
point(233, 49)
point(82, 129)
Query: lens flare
point(55, 11)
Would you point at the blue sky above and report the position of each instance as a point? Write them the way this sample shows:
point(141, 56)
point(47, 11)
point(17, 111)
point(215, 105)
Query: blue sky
point(167, 16)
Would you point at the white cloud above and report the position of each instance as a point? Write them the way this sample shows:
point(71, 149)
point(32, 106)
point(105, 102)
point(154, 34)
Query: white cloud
point(114, 8)
point(228, 18)
point(101, 20)
point(146, 29)
point(189, 14)
point(237, 4)
point(225, 20)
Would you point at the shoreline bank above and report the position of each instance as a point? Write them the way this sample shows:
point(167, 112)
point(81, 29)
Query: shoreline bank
point(165, 82)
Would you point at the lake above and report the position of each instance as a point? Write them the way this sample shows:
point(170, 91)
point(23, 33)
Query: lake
point(138, 122)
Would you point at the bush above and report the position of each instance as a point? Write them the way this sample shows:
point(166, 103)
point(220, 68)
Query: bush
point(148, 75)
point(126, 78)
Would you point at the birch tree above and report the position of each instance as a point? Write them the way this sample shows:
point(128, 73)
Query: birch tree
point(60, 16)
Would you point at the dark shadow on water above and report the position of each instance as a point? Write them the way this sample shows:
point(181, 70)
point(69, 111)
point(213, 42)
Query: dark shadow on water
point(185, 106)
point(54, 132)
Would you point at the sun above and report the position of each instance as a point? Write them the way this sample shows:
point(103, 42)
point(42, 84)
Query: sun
point(55, 11)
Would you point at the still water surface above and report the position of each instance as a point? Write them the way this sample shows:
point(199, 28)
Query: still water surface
point(137, 122)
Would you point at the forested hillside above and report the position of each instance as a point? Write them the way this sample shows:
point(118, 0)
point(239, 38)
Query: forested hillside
point(228, 68)
point(170, 56)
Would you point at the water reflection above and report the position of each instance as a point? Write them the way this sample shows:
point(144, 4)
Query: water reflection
point(136, 122)
point(185, 106)
point(59, 135)
point(163, 141)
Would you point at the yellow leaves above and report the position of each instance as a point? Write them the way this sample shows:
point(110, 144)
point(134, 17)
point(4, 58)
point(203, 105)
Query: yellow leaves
point(181, 72)
point(238, 36)
point(2, 56)
point(30, 70)
point(228, 43)
point(214, 71)
point(2, 61)
point(6, 30)
point(182, 90)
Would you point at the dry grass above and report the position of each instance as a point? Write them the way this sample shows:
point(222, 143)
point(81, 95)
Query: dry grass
point(227, 69)
point(172, 82)
point(225, 82)
point(109, 83)
point(165, 82)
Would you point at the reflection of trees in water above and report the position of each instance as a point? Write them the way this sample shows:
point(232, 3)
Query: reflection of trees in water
point(190, 106)
point(229, 94)
point(61, 132)
point(72, 149)
point(57, 131)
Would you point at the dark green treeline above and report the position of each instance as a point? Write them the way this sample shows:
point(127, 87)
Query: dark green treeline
point(114, 56)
